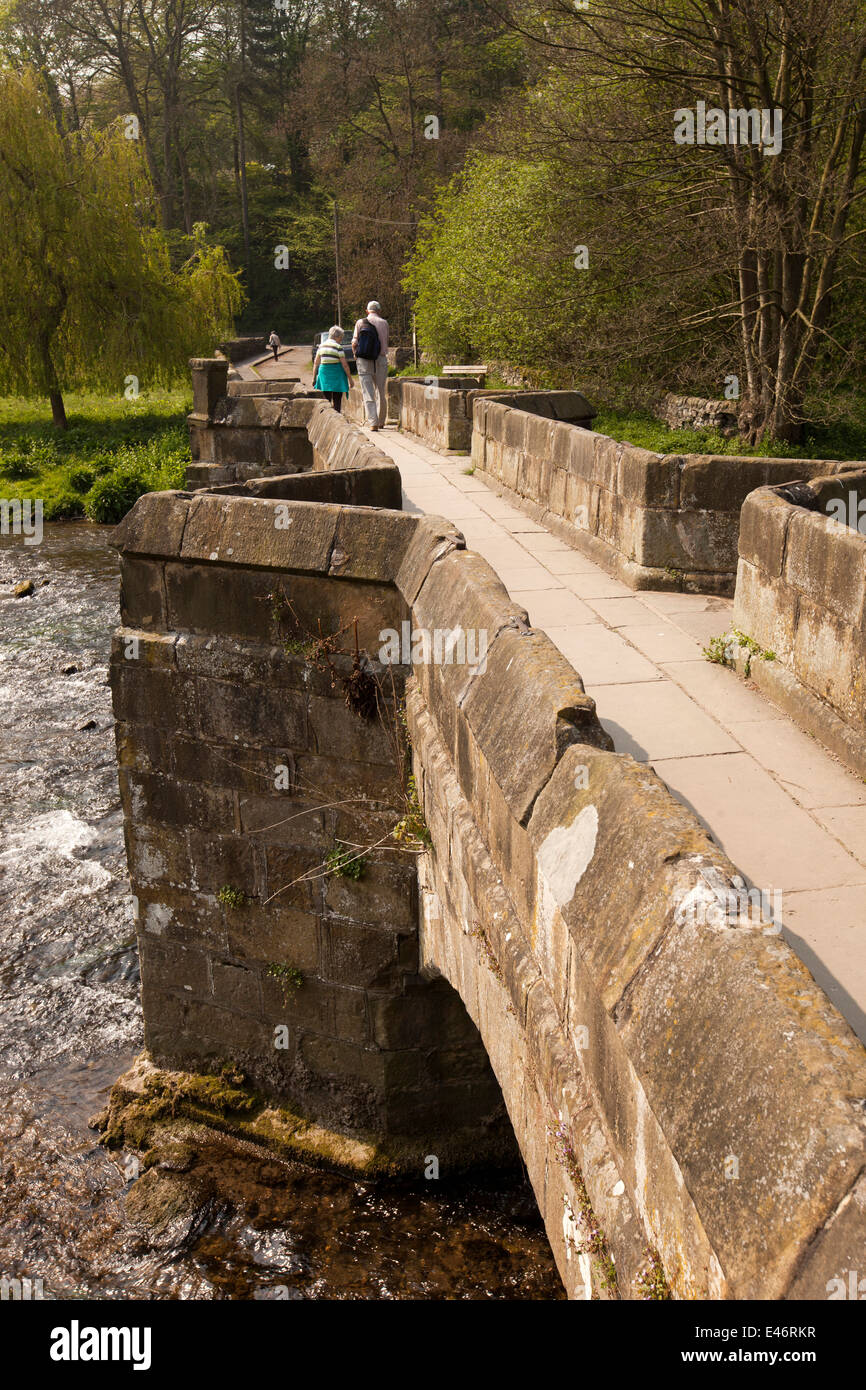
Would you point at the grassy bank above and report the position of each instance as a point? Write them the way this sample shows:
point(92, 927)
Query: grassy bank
point(112, 452)
point(840, 441)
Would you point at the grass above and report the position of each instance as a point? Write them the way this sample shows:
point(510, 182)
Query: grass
point(112, 452)
point(843, 441)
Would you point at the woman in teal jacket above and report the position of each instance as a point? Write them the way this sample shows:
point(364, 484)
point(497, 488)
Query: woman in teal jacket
point(331, 370)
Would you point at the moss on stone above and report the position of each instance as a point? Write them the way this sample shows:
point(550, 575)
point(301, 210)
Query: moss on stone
point(150, 1109)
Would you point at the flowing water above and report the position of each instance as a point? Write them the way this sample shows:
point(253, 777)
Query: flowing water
point(70, 1022)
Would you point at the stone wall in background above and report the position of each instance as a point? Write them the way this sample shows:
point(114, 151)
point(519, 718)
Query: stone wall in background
point(801, 596)
point(237, 349)
point(695, 413)
point(655, 521)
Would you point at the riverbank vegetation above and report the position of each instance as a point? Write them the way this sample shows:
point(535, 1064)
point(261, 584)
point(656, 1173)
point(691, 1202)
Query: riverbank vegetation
point(111, 452)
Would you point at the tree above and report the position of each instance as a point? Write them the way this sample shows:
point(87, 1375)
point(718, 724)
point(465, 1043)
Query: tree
point(88, 291)
point(768, 219)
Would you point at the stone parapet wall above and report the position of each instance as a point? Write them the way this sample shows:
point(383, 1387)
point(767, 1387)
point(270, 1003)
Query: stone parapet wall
point(441, 410)
point(250, 437)
point(285, 386)
point(655, 521)
point(801, 596)
point(238, 435)
point(570, 898)
point(670, 1068)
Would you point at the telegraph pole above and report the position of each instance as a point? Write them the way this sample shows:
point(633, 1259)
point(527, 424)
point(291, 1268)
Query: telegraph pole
point(337, 261)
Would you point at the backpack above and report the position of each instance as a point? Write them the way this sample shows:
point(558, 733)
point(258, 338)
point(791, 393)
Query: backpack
point(369, 346)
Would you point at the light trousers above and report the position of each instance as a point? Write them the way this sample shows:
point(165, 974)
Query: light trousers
point(373, 377)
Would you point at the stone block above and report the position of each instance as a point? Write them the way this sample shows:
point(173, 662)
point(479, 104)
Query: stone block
point(209, 384)
point(766, 610)
point(251, 531)
point(308, 1006)
point(366, 957)
point(726, 998)
point(154, 526)
point(221, 861)
point(432, 538)
point(276, 934)
point(702, 541)
point(828, 656)
point(764, 521)
point(153, 798)
point(220, 601)
point(236, 987)
point(723, 483)
point(522, 733)
point(257, 717)
point(827, 562)
point(168, 966)
point(370, 544)
point(651, 480)
point(385, 898)
point(605, 461)
point(142, 593)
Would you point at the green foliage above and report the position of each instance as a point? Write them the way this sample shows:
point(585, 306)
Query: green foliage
point(90, 296)
point(411, 830)
point(724, 650)
point(487, 258)
point(154, 467)
point(231, 897)
point(651, 1282)
point(112, 451)
point(345, 862)
point(288, 975)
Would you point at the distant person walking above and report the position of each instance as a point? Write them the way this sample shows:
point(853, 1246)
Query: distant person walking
point(275, 344)
point(330, 368)
point(370, 346)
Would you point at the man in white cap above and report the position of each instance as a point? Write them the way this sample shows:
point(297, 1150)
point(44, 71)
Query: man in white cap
point(370, 346)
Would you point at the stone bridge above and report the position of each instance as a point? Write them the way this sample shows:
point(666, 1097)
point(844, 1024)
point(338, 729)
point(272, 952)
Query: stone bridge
point(387, 862)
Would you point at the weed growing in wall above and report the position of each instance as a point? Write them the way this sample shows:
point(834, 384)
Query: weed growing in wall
point(287, 975)
point(593, 1242)
point(412, 830)
point(231, 897)
point(344, 861)
point(651, 1282)
point(725, 649)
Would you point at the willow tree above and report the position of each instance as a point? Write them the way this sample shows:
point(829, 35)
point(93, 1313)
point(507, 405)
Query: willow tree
point(88, 294)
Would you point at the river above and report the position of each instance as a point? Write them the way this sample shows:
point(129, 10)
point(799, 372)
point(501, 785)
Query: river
point(70, 1022)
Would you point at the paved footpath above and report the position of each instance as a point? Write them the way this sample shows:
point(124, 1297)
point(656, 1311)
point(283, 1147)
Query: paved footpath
point(790, 816)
